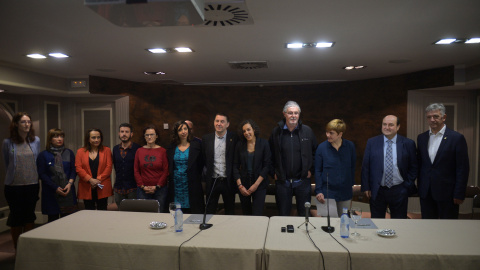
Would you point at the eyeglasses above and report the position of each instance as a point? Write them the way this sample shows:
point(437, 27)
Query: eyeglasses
point(150, 135)
point(26, 122)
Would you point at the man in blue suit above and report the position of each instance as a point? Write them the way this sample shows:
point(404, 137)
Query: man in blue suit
point(444, 167)
point(389, 170)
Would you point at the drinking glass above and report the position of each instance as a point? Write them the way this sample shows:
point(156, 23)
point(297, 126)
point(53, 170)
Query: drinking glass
point(356, 215)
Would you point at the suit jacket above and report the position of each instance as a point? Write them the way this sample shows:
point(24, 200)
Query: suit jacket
point(262, 160)
point(373, 164)
point(208, 150)
point(194, 175)
point(447, 176)
point(84, 173)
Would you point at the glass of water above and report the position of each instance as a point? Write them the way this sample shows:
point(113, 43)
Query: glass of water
point(356, 215)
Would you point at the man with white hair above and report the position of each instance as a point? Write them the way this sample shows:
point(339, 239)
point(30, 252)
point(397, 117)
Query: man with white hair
point(293, 147)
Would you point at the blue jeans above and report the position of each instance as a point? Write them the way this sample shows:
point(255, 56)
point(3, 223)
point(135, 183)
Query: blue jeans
point(160, 195)
point(285, 192)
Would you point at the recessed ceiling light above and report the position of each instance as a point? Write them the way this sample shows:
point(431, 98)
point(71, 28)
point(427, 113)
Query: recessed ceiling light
point(294, 45)
point(349, 68)
point(58, 55)
point(446, 41)
point(36, 56)
point(154, 73)
point(157, 50)
point(324, 44)
point(353, 67)
point(473, 40)
point(183, 49)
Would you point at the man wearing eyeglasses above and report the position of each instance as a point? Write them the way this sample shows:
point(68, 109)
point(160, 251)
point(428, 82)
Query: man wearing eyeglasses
point(293, 147)
point(443, 167)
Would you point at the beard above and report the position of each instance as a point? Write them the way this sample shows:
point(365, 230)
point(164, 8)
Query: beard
point(125, 139)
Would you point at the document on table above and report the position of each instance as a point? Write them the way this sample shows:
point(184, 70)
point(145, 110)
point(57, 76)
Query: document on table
point(196, 219)
point(322, 208)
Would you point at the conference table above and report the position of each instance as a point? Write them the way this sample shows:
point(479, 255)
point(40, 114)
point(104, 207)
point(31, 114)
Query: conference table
point(124, 240)
point(418, 244)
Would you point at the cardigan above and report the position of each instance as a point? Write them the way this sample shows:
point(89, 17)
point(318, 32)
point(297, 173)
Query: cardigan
point(10, 159)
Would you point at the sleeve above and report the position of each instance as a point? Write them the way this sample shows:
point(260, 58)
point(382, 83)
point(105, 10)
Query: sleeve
point(236, 163)
point(272, 152)
point(354, 162)
point(267, 159)
point(412, 162)
point(105, 174)
point(137, 167)
point(79, 166)
point(366, 168)
point(5, 150)
point(164, 175)
point(462, 168)
point(43, 169)
point(73, 173)
point(318, 170)
point(314, 149)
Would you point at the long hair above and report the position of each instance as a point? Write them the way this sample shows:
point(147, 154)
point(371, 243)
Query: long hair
point(256, 129)
point(52, 133)
point(157, 141)
point(14, 135)
point(86, 140)
point(174, 135)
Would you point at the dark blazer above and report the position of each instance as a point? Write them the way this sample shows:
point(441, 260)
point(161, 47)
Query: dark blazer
point(262, 160)
point(194, 175)
point(447, 177)
point(373, 164)
point(208, 149)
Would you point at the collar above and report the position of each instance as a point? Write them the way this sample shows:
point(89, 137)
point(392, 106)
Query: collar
point(441, 132)
point(128, 147)
point(394, 139)
point(221, 138)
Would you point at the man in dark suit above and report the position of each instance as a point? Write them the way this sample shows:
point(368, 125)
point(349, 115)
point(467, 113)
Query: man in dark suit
point(444, 167)
point(389, 170)
point(218, 150)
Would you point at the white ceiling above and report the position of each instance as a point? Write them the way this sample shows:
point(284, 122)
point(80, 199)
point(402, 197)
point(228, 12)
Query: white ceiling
point(367, 32)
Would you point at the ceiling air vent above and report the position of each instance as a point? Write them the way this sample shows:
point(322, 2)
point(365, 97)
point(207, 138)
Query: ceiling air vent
point(227, 13)
point(248, 64)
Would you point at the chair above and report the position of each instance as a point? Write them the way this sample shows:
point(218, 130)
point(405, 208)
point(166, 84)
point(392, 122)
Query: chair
point(475, 204)
point(139, 205)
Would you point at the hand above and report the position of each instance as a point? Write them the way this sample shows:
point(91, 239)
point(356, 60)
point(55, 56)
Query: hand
point(309, 174)
point(320, 198)
point(60, 192)
point(368, 193)
point(252, 189)
point(149, 189)
point(275, 177)
point(243, 190)
point(457, 201)
point(66, 189)
point(94, 182)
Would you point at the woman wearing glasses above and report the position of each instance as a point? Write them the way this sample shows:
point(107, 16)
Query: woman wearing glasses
point(20, 153)
point(151, 168)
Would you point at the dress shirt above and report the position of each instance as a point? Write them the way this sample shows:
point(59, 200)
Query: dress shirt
point(219, 163)
point(434, 142)
point(397, 178)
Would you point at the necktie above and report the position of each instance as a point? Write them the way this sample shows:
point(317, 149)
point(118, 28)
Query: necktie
point(389, 165)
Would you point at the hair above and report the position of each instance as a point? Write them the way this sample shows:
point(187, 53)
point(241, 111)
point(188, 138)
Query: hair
point(52, 133)
point(398, 119)
point(222, 114)
point(14, 135)
point(436, 106)
point(289, 104)
point(336, 125)
point(157, 141)
point(126, 125)
point(86, 140)
point(176, 126)
point(256, 129)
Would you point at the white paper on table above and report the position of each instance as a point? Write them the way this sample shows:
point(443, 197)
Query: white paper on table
point(322, 208)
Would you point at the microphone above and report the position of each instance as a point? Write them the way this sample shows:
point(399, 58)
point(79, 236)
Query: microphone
point(204, 225)
point(307, 211)
point(328, 229)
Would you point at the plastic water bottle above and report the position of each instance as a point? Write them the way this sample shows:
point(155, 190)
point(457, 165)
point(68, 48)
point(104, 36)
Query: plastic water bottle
point(178, 220)
point(344, 224)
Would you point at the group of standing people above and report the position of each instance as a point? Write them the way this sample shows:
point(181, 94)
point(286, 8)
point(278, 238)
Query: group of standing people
point(228, 164)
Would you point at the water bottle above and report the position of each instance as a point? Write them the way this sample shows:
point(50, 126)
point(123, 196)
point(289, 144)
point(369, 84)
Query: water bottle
point(178, 220)
point(344, 224)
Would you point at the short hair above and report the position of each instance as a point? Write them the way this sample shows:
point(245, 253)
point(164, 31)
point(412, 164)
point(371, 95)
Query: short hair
point(222, 114)
point(176, 126)
point(157, 141)
point(14, 135)
point(291, 103)
point(125, 125)
point(86, 140)
point(434, 107)
point(336, 125)
point(256, 129)
point(52, 133)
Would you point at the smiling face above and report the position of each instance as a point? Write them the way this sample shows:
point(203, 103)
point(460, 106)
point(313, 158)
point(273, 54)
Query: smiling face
point(24, 125)
point(150, 136)
point(95, 139)
point(182, 132)
point(221, 124)
point(125, 134)
point(57, 141)
point(291, 116)
point(248, 132)
point(390, 126)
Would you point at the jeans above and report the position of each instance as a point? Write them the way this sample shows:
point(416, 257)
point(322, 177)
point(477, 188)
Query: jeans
point(160, 195)
point(285, 192)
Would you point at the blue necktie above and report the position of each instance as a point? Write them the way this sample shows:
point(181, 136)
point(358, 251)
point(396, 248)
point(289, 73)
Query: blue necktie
point(389, 165)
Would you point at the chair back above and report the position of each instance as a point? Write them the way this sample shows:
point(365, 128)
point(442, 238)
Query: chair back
point(139, 205)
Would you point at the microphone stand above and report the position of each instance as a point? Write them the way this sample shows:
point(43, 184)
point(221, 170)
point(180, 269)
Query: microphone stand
point(328, 229)
point(307, 221)
point(204, 225)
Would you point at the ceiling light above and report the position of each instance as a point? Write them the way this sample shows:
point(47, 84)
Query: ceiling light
point(154, 73)
point(446, 41)
point(353, 67)
point(324, 44)
point(157, 50)
point(58, 55)
point(183, 49)
point(36, 56)
point(473, 40)
point(349, 68)
point(294, 45)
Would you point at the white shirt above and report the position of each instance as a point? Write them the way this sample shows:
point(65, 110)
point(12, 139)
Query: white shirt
point(434, 142)
point(219, 163)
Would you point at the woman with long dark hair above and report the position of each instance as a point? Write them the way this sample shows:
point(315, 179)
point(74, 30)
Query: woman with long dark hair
point(94, 167)
point(20, 153)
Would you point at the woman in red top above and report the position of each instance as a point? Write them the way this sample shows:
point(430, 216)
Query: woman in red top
point(151, 169)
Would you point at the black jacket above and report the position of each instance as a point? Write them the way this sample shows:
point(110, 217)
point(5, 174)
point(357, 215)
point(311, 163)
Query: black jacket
point(261, 162)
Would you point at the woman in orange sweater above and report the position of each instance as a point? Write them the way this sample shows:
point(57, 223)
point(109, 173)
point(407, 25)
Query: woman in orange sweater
point(94, 166)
